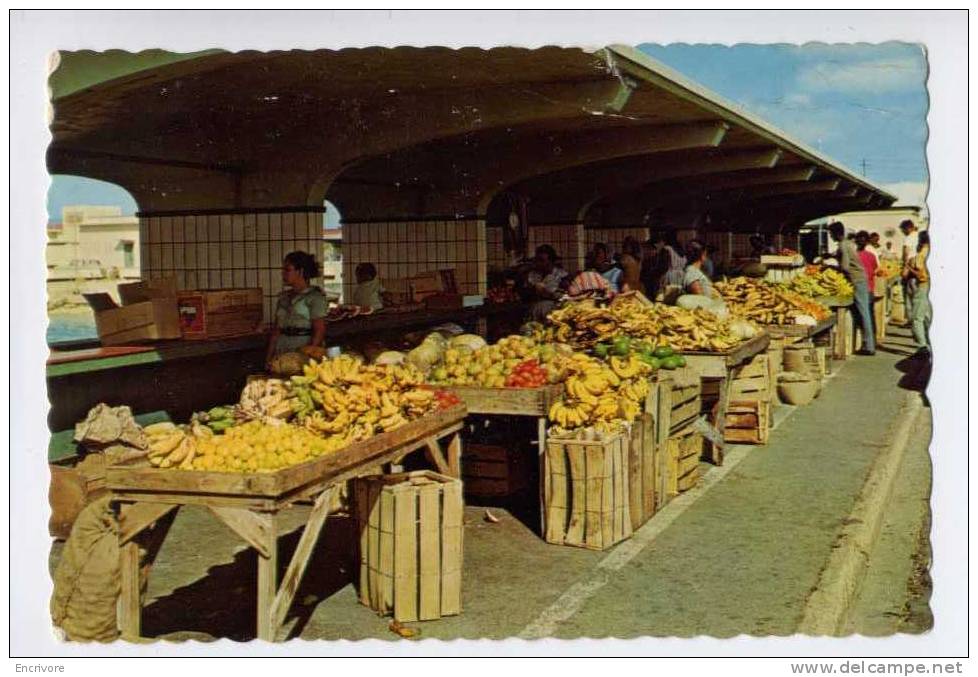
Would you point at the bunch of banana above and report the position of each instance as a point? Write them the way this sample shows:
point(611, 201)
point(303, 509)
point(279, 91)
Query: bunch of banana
point(346, 396)
point(218, 419)
point(766, 303)
point(175, 446)
point(266, 400)
point(585, 323)
point(680, 328)
point(596, 392)
point(818, 281)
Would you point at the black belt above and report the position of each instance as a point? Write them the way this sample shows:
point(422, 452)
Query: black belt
point(295, 331)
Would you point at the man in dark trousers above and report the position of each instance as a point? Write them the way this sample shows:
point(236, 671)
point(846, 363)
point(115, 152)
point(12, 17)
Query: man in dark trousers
point(852, 267)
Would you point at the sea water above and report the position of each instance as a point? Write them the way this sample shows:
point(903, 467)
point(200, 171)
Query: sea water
point(71, 327)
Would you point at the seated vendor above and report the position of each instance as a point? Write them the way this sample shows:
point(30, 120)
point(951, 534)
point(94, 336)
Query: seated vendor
point(368, 291)
point(301, 310)
point(545, 282)
point(695, 280)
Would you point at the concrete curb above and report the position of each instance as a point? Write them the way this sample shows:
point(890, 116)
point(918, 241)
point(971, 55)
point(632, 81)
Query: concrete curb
point(827, 607)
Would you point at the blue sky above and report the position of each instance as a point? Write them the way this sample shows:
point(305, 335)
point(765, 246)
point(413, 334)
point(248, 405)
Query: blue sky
point(851, 102)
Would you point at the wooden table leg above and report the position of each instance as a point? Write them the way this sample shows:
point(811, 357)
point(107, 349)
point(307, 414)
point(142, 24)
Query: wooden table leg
point(544, 476)
point(722, 400)
point(455, 456)
point(130, 606)
point(268, 583)
point(300, 559)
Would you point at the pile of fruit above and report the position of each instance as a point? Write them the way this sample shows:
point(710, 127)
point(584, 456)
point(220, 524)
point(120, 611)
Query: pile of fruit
point(584, 324)
point(818, 281)
point(599, 394)
point(333, 403)
point(766, 303)
point(345, 396)
point(512, 362)
point(257, 447)
point(657, 357)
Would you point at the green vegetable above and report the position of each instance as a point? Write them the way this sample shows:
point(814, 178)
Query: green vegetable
point(621, 346)
point(220, 425)
point(602, 350)
point(671, 362)
point(218, 413)
point(663, 351)
point(681, 360)
point(650, 360)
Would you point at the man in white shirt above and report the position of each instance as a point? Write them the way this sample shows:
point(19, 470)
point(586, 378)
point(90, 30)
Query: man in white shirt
point(910, 236)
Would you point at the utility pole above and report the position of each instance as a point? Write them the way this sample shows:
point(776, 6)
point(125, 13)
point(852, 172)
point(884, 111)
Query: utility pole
point(863, 163)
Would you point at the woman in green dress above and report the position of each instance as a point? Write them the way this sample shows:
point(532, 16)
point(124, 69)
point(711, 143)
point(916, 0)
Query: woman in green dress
point(300, 316)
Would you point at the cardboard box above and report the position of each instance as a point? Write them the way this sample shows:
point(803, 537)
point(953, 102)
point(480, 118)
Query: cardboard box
point(148, 313)
point(219, 313)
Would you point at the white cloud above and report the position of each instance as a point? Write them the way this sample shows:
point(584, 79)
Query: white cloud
point(872, 76)
point(909, 193)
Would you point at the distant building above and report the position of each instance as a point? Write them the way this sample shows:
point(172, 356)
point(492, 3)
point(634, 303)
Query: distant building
point(886, 222)
point(93, 242)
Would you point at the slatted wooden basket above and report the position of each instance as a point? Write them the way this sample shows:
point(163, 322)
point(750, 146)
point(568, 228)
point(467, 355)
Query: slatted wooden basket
point(410, 527)
point(586, 501)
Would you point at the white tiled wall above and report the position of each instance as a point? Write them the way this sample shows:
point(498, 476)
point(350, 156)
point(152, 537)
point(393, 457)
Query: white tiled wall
point(494, 247)
point(613, 237)
point(402, 249)
point(566, 239)
point(221, 251)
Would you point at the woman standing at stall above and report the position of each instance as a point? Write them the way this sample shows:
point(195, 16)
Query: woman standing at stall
point(300, 315)
point(631, 266)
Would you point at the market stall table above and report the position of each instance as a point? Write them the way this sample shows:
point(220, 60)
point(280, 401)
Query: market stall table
point(722, 367)
point(842, 334)
point(248, 503)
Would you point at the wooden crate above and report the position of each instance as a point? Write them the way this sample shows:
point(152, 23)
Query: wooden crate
point(493, 470)
point(752, 380)
point(511, 401)
point(747, 422)
point(643, 461)
point(219, 313)
point(683, 451)
point(686, 397)
point(410, 531)
point(74, 484)
point(586, 502)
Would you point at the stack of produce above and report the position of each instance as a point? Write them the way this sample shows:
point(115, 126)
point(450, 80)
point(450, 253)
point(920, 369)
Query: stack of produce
point(600, 397)
point(584, 323)
point(818, 281)
point(657, 357)
point(513, 362)
point(766, 303)
point(334, 403)
point(344, 396)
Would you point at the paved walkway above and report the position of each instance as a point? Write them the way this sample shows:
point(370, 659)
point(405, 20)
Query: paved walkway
point(741, 558)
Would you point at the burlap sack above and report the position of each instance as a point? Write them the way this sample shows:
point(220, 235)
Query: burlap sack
point(86, 582)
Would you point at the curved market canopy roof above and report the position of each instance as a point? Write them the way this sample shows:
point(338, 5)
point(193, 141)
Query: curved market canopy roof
point(608, 136)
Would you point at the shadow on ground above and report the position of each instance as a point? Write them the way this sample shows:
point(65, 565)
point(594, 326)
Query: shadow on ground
point(223, 603)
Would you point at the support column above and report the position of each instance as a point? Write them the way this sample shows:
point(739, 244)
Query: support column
point(224, 249)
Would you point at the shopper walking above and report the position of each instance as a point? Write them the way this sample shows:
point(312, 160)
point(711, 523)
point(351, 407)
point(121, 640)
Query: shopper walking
point(916, 270)
point(870, 264)
point(910, 237)
point(852, 267)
